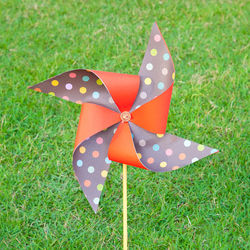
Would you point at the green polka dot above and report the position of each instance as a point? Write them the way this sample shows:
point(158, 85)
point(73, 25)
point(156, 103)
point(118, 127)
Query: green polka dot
point(99, 187)
point(200, 147)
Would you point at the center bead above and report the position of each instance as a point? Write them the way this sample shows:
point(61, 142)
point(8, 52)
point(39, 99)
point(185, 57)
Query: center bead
point(125, 116)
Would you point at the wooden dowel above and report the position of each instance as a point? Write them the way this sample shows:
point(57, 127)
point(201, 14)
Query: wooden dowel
point(125, 225)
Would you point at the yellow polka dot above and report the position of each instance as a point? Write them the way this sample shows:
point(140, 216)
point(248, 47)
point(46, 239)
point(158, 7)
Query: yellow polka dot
point(160, 135)
point(148, 81)
point(83, 90)
point(104, 173)
point(153, 52)
point(175, 167)
point(139, 155)
point(173, 76)
point(52, 93)
point(163, 164)
point(99, 82)
point(54, 82)
point(200, 147)
point(82, 150)
point(99, 187)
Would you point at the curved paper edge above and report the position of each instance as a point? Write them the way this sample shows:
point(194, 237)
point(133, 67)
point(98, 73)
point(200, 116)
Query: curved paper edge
point(91, 165)
point(153, 115)
point(157, 72)
point(73, 95)
point(93, 119)
point(122, 149)
point(166, 152)
point(124, 94)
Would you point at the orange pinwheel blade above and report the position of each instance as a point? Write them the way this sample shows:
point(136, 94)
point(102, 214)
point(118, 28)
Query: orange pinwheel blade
point(122, 149)
point(122, 87)
point(153, 115)
point(93, 119)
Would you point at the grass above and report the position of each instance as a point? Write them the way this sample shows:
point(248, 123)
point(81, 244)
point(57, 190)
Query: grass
point(203, 206)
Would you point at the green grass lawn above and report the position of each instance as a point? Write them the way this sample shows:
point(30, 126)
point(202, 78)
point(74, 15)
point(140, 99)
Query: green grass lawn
point(202, 206)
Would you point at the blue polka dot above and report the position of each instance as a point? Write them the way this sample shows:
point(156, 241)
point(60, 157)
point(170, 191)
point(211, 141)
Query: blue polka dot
point(214, 151)
point(96, 95)
point(156, 147)
point(132, 136)
point(107, 160)
point(160, 85)
point(85, 78)
point(165, 56)
point(79, 163)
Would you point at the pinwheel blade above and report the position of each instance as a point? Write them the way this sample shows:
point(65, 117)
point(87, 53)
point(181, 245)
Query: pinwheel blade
point(77, 86)
point(91, 164)
point(166, 152)
point(157, 69)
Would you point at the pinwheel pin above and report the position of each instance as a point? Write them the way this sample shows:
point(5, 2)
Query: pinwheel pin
point(123, 119)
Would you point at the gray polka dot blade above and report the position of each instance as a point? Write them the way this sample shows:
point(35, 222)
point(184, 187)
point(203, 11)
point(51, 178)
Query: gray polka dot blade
point(77, 86)
point(91, 165)
point(166, 152)
point(157, 69)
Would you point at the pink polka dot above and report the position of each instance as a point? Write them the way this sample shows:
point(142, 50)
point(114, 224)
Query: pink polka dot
point(95, 154)
point(72, 75)
point(99, 140)
point(169, 152)
point(150, 160)
point(65, 98)
point(79, 102)
point(157, 38)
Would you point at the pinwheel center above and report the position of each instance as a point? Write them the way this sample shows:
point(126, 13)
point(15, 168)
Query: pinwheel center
point(125, 116)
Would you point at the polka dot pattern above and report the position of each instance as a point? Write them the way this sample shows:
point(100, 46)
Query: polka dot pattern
point(153, 52)
point(91, 165)
point(82, 90)
point(54, 82)
point(85, 78)
point(77, 86)
point(96, 95)
point(68, 86)
point(157, 69)
point(147, 81)
point(166, 152)
point(149, 66)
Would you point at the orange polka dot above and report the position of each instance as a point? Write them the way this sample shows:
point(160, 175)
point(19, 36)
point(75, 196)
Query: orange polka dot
point(175, 167)
point(95, 154)
point(79, 102)
point(182, 156)
point(38, 90)
point(150, 160)
point(87, 183)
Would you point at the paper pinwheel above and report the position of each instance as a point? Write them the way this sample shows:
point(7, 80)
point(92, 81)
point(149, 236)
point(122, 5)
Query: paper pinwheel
point(123, 119)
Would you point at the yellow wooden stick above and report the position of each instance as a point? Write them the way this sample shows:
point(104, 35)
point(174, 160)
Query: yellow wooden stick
point(125, 226)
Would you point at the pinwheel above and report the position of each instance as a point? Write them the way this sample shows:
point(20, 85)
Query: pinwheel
point(123, 119)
